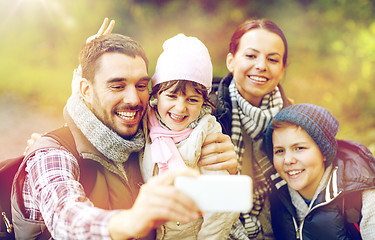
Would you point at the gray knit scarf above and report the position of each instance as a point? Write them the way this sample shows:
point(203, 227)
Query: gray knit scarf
point(105, 140)
point(254, 120)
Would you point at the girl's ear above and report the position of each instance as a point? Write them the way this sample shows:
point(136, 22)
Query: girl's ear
point(230, 64)
point(155, 95)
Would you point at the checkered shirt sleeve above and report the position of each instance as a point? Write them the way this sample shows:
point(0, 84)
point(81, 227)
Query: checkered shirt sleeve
point(52, 193)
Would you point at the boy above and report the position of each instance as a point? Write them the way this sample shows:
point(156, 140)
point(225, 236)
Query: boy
point(301, 142)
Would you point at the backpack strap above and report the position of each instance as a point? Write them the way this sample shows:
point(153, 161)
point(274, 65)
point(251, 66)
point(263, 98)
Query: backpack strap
point(352, 206)
point(352, 154)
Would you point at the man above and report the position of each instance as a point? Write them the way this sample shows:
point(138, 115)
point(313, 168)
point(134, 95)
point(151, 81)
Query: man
point(105, 121)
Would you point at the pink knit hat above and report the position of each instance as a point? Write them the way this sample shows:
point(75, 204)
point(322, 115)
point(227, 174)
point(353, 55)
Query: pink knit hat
point(184, 58)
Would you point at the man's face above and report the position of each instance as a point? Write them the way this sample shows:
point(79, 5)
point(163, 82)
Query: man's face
point(119, 95)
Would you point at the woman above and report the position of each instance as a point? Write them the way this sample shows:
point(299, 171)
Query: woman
point(247, 100)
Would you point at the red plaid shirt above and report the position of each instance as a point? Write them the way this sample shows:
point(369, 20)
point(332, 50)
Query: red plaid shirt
point(52, 193)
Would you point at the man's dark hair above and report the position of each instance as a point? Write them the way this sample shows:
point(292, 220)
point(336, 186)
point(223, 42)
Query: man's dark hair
point(112, 43)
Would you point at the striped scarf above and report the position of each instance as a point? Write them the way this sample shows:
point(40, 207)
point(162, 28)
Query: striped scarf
point(254, 121)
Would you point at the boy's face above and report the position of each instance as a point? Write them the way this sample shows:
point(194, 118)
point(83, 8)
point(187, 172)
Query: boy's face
point(298, 159)
point(176, 110)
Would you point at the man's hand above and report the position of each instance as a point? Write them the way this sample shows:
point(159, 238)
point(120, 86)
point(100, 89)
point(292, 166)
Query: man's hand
point(158, 202)
point(33, 138)
point(105, 29)
point(218, 153)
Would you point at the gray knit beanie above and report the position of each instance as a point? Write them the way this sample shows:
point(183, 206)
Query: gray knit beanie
point(317, 121)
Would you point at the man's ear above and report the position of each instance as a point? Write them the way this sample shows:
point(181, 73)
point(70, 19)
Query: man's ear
point(84, 87)
point(230, 64)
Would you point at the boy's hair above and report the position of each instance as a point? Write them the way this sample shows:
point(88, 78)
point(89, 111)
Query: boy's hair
point(112, 43)
point(180, 86)
point(283, 124)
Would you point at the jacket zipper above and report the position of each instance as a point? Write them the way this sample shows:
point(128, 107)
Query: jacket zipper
point(299, 229)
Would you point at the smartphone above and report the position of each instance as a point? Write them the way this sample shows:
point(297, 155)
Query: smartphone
point(218, 193)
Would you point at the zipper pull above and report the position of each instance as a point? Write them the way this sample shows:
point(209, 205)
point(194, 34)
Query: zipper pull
point(298, 235)
point(8, 225)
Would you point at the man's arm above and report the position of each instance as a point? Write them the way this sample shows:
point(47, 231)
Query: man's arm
point(158, 202)
point(218, 153)
point(68, 213)
point(52, 192)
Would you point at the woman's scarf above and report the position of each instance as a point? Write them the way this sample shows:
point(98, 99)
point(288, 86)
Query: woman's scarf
point(254, 121)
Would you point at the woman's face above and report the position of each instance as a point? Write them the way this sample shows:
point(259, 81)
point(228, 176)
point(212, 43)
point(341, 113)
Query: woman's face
point(257, 66)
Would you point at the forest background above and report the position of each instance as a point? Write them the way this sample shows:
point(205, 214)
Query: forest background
point(331, 47)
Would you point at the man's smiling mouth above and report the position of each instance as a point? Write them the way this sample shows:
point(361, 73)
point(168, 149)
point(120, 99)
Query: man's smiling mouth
point(127, 115)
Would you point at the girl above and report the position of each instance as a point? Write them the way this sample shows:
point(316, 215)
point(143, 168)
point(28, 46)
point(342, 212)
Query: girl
point(179, 121)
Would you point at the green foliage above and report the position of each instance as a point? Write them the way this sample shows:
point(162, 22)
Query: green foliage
point(331, 46)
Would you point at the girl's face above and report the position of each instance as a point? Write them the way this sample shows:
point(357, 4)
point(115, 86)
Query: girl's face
point(298, 159)
point(257, 66)
point(177, 110)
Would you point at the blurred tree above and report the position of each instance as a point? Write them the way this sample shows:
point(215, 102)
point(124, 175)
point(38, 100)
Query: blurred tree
point(331, 44)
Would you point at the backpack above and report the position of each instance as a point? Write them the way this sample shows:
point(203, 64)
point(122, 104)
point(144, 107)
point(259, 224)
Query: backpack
point(352, 202)
point(8, 169)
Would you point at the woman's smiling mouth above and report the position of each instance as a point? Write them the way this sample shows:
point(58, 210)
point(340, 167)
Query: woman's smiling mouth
point(258, 78)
